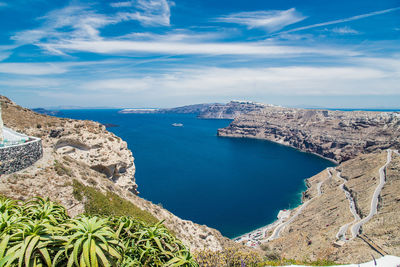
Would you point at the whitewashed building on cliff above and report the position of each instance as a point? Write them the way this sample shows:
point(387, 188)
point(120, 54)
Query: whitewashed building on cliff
point(1, 127)
point(17, 151)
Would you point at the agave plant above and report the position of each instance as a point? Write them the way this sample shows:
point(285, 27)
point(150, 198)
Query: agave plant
point(31, 243)
point(9, 205)
point(41, 209)
point(90, 242)
point(40, 233)
point(125, 227)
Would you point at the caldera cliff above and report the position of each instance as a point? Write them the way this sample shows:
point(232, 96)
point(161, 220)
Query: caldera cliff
point(336, 135)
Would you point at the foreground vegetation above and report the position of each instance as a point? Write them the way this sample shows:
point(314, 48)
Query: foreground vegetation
point(40, 233)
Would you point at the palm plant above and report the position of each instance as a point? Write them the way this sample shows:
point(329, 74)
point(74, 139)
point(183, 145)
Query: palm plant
point(90, 242)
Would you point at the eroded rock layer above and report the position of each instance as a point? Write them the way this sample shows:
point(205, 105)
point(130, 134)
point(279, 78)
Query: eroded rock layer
point(337, 135)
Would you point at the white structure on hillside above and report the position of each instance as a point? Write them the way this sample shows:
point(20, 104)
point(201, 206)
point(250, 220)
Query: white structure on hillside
point(1, 127)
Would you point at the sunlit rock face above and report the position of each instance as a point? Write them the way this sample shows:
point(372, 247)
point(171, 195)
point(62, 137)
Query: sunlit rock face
point(337, 135)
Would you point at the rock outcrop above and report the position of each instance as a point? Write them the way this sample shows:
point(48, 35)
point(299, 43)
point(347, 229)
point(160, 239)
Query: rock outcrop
point(86, 152)
point(337, 135)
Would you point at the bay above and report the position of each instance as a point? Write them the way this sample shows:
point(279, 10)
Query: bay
point(231, 184)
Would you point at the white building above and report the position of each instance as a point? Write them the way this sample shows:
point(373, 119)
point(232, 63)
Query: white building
point(1, 127)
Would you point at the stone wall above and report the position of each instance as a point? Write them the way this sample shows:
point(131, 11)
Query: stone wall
point(18, 157)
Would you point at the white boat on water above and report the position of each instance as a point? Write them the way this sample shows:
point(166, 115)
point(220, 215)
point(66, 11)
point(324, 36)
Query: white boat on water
point(177, 124)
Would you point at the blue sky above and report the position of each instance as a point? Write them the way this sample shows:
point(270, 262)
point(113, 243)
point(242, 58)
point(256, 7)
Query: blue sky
point(160, 53)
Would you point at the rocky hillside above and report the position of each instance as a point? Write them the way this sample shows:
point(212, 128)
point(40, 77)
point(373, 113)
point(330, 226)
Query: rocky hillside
point(230, 110)
point(337, 135)
point(85, 167)
point(324, 227)
point(207, 111)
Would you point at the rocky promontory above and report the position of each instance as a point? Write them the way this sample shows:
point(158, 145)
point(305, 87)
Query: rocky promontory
point(336, 135)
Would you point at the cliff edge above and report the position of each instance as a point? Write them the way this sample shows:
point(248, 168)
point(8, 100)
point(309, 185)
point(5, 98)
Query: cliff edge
point(336, 135)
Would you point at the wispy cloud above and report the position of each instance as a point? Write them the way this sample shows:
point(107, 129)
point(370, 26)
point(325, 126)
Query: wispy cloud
point(72, 22)
point(291, 80)
point(182, 48)
point(147, 12)
point(33, 83)
point(32, 68)
point(332, 22)
point(345, 30)
point(122, 4)
point(80, 22)
point(272, 20)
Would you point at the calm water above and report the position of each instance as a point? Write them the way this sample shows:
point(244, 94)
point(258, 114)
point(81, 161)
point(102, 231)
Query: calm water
point(233, 185)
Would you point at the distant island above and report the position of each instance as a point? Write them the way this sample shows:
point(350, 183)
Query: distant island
point(207, 111)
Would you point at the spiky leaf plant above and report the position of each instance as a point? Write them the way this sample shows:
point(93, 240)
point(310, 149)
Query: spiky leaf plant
point(91, 242)
point(31, 243)
point(45, 210)
point(40, 233)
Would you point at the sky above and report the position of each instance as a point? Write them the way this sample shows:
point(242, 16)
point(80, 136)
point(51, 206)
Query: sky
point(164, 53)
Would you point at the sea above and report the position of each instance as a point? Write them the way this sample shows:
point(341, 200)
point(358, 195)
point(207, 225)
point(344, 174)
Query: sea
point(235, 185)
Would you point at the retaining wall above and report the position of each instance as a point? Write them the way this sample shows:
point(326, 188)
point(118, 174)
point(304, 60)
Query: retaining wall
point(21, 156)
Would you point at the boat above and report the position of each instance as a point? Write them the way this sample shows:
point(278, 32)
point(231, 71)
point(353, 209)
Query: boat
point(177, 124)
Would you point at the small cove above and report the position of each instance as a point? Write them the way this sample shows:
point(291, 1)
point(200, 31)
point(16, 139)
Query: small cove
point(233, 185)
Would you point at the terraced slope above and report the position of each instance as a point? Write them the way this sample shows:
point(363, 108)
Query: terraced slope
point(312, 233)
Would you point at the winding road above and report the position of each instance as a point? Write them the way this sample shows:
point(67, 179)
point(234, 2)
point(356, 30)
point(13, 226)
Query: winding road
point(281, 226)
point(355, 230)
point(341, 234)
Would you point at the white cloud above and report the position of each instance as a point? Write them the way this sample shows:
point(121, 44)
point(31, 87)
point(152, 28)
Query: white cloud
point(345, 30)
point(5, 51)
point(72, 22)
point(182, 48)
point(147, 12)
point(77, 22)
point(32, 68)
point(32, 83)
point(122, 4)
point(375, 13)
point(260, 82)
point(271, 21)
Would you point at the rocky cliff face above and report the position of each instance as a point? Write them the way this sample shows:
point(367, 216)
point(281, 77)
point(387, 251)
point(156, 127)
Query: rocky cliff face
point(86, 152)
point(337, 135)
point(230, 110)
point(85, 141)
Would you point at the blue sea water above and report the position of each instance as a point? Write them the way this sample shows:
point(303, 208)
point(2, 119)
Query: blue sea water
point(233, 185)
